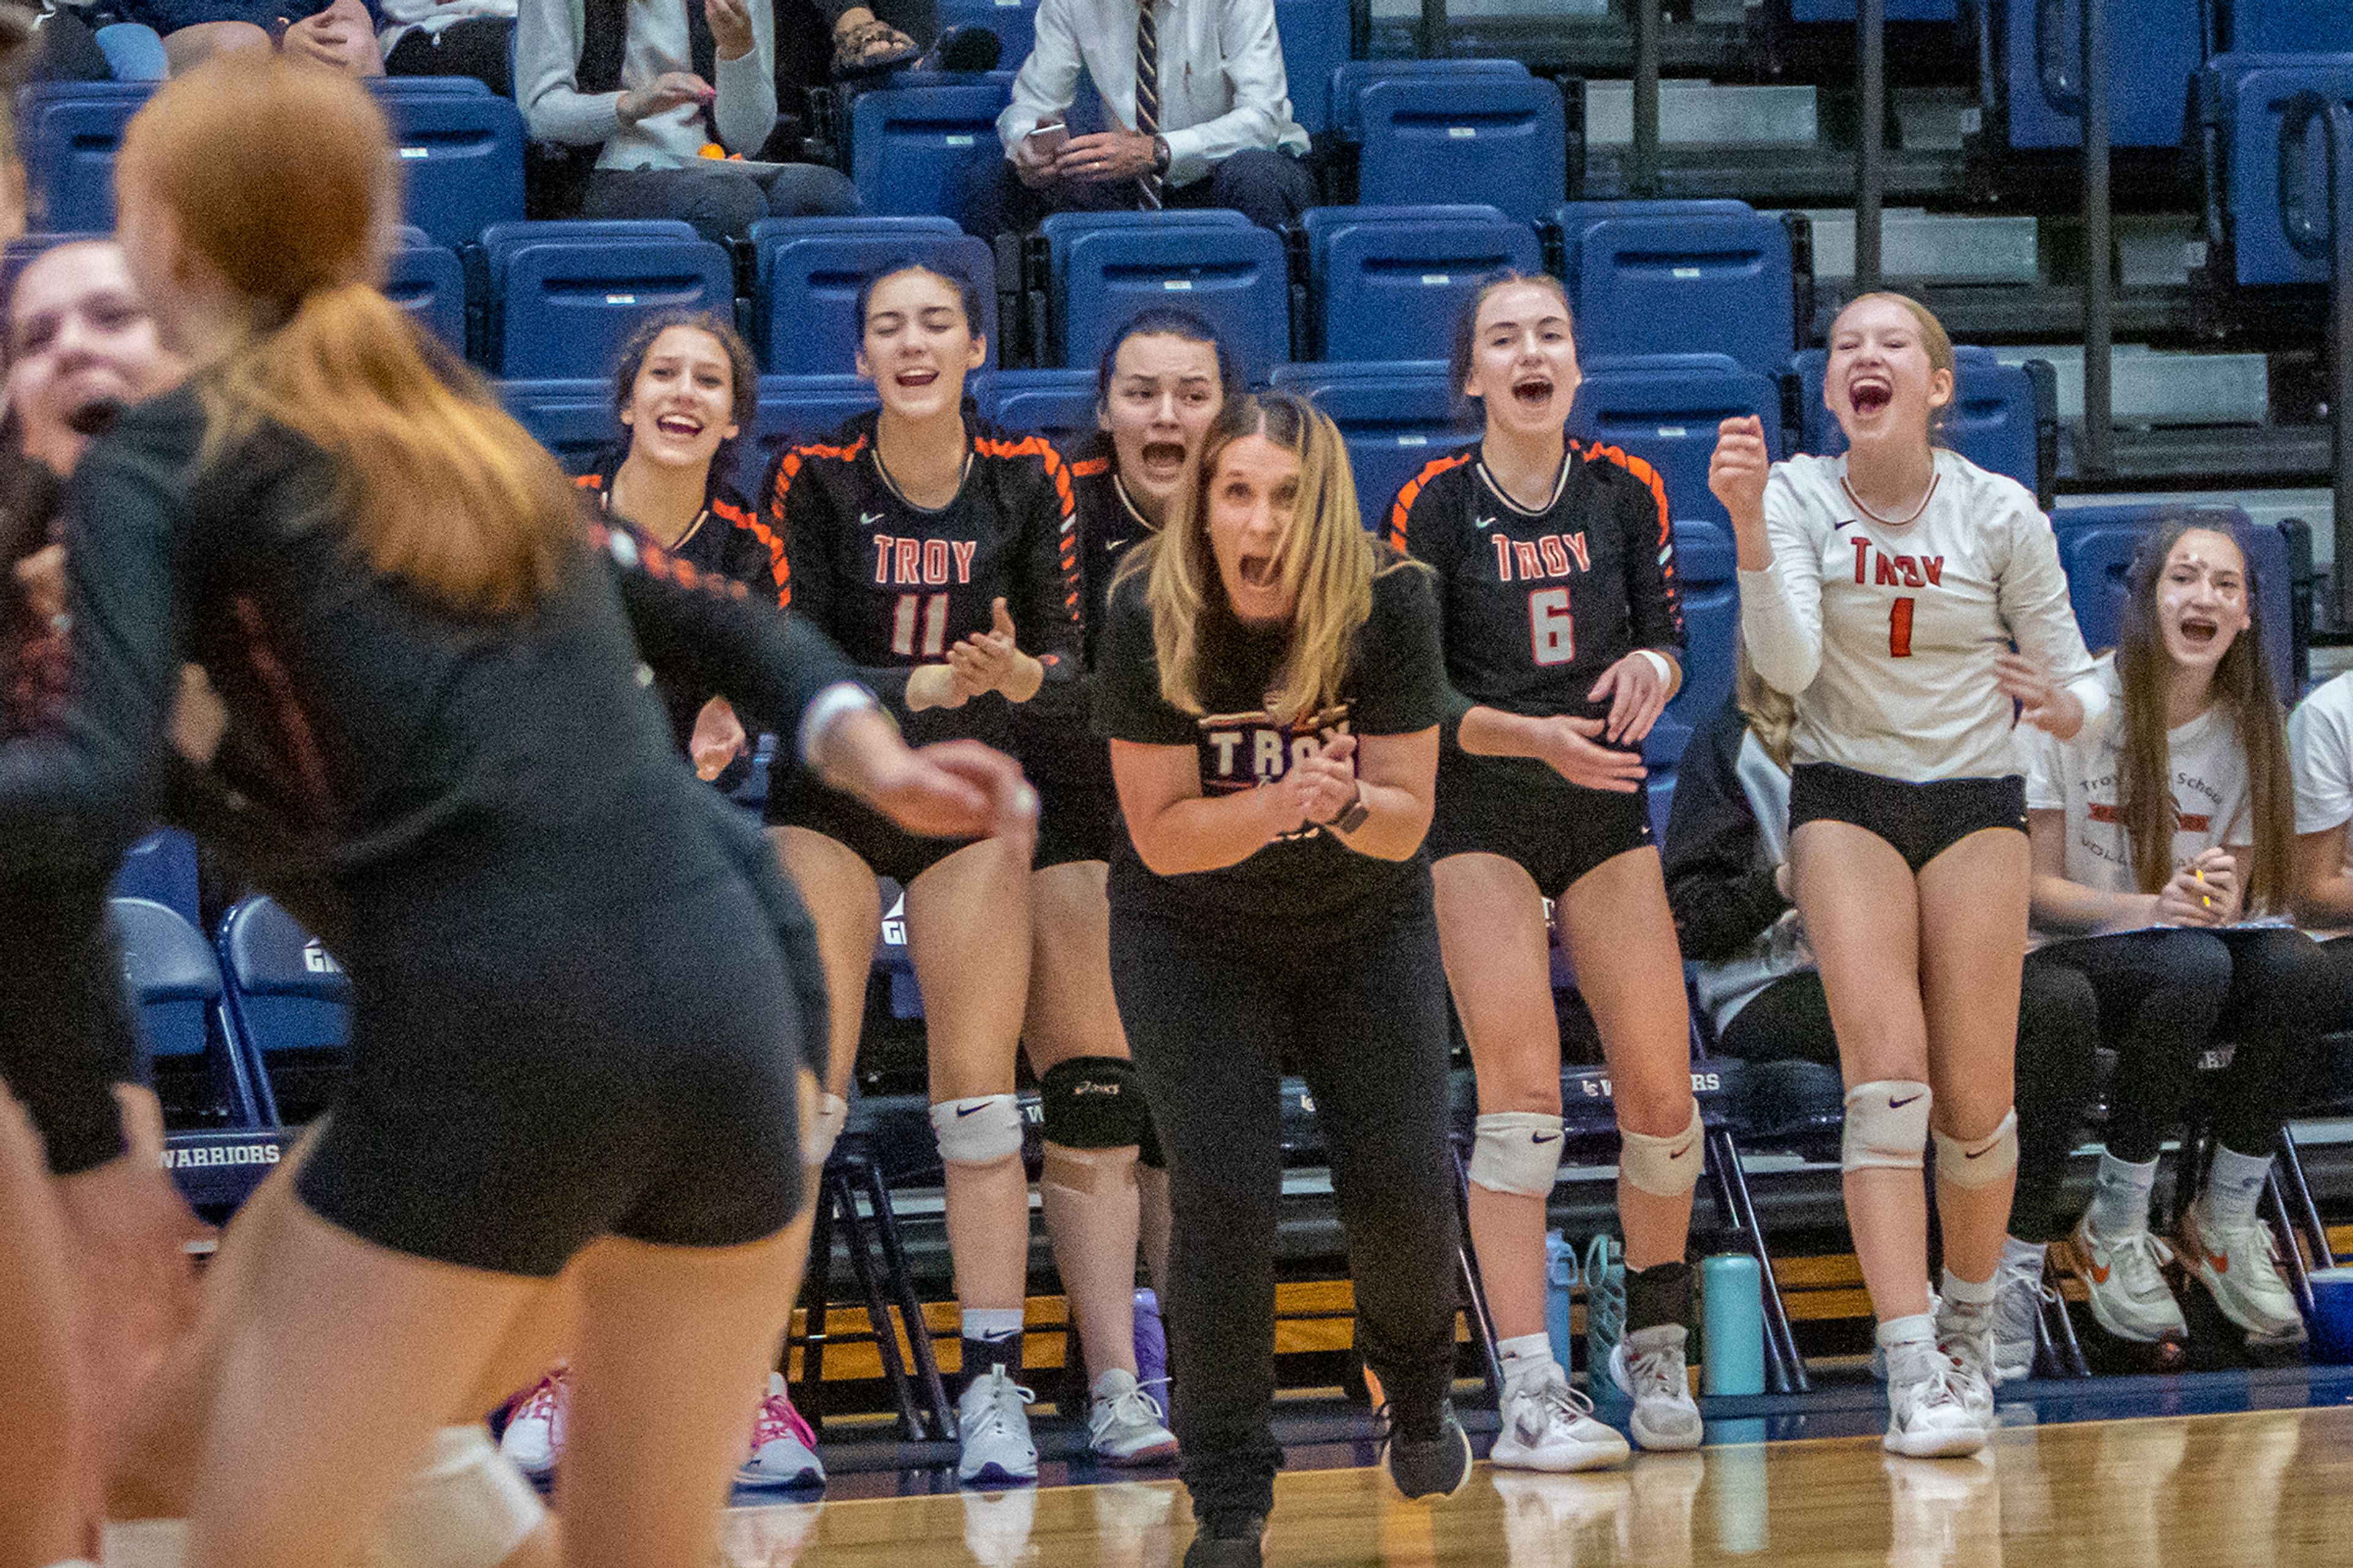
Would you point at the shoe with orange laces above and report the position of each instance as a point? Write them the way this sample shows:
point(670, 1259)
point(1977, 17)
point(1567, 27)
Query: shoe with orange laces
point(533, 1439)
point(2239, 1266)
point(2123, 1281)
point(784, 1448)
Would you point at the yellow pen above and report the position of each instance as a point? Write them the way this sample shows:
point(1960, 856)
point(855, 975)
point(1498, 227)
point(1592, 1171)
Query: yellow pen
point(2197, 874)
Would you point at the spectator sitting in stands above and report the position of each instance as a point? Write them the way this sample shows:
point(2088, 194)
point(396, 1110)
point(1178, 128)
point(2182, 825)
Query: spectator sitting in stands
point(339, 34)
point(641, 80)
point(450, 37)
point(1218, 132)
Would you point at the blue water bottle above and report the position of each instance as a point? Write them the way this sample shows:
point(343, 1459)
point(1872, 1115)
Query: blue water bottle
point(1560, 1278)
point(1732, 1324)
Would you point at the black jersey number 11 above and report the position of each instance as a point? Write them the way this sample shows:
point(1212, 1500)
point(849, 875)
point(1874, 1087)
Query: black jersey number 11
point(1899, 628)
point(934, 616)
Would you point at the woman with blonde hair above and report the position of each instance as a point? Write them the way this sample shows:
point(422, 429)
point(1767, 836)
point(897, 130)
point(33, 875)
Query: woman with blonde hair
point(435, 688)
point(1270, 681)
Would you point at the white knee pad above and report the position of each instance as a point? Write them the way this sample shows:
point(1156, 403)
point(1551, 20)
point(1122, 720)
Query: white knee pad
point(143, 1543)
point(1664, 1167)
point(824, 1128)
point(1886, 1126)
point(1979, 1162)
point(1516, 1152)
point(978, 1131)
point(467, 1507)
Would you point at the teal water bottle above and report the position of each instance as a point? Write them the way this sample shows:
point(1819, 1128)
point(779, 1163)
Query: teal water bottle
point(1732, 1325)
point(1560, 1278)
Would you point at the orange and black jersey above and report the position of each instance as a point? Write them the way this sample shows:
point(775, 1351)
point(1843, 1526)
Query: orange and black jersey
point(1108, 524)
point(1536, 604)
point(897, 585)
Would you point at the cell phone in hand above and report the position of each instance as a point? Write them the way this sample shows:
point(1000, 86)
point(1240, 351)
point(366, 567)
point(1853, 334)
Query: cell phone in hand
point(1047, 141)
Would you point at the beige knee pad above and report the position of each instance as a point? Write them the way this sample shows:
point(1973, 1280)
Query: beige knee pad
point(1664, 1167)
point(1979, 1162)
point(467, 1507)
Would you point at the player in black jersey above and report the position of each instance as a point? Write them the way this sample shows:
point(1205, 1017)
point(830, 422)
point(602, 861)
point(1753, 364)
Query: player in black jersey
point(943, 556)
point(1158, 389)
point(1563, 634)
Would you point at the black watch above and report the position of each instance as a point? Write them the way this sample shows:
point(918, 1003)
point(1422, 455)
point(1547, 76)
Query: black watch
point(1352, 816)
point(1160, 154)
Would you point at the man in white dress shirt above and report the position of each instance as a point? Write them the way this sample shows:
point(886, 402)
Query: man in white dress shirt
point(1218, 132)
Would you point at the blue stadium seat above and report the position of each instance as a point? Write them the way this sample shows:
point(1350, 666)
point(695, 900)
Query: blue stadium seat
point(806, 278)
point(1664, 410)
point(1014, 23)
point(2289, 27)
point(1315, 38)
point(1236, 278)
point(1705, 571)
point(890, 955)
point(931, 150)
point(1059, 405)
point(1504, 144)
point(161, 869)
point(290, 1002)
point(572, 418)
point(1657, 282)
point(799, 408)
point(1897, 11)
point(391, 87)
point(1394, 418)
point(2155, 46)
point(68, 132)
point(2274, 200)
point(1994, 421)
point(2096, 544)
point(1389, 283)
point(460, 160)
point(564, 297)
point(429, 282)
point(174, 981)
point(1352, 79)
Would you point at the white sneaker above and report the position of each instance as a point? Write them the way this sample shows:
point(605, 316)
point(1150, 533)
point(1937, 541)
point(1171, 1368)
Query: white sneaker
point(1647, 1366)
point(1934, 1403)
point(2019, 1294)
point(993, 1430)
point(1125, 1425)
point(2124, 1279)
point(1549, 1426)
point(1965, 1332)
point(784, 1449)
point(533, 1439)
point(2240, 1268)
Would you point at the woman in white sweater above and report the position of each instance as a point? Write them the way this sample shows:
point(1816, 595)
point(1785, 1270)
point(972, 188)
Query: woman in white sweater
point(1882, 590)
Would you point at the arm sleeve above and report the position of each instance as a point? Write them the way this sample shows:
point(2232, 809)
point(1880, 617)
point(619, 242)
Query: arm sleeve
point(1128, 704)
point(2323, 761)
point(2046, 780)
point(746, 110)
point(1252, 63)
point(1049, 80)
point(2040, 617)
point(1782, 606)
point(1402, 690)
point(1720, 890)
point(547, 56)
point(1655, 596)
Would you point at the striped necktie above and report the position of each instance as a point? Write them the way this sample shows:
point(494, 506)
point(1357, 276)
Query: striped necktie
point(1147, 98)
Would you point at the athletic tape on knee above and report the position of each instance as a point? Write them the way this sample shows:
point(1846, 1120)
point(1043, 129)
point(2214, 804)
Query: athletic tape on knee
point(978, 1131)
point(143, 1543)
point(1093, 1102)
point(1664, 1167)
point(1978, 1161)
point(467, 1507)
point(1886, 1126)
point(824, 1128)
point(1516, 1152)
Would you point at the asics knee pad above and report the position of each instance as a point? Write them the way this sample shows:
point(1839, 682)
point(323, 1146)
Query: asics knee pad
point(1978, 1161)
point(1664, 1167)
point(1516, 1152)
point(980, 1130)
point(824, 1128)
point(1886, 1126)
point(1093, 1102)
point(467, 1507)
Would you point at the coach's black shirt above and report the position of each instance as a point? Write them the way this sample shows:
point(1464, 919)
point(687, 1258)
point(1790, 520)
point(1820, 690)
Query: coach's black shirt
point(1311, 880)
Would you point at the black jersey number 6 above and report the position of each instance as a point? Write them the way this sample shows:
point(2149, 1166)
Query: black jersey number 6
point(1552, 630)
point(935, 625)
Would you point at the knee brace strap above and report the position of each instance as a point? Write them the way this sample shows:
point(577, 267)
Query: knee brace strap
point(824, 1128)
point(978, 1131)
point(467, 1507)
point(1664, 1167)
point(1516, 1152)
point(1093, 1102)
point(1979, 1162)
point(1886, 1126)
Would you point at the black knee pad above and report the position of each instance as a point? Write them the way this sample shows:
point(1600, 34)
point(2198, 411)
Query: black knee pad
point(1093, 1102)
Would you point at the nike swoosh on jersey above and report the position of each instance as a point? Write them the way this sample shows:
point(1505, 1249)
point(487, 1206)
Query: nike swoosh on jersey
point(1836, 526)
point(868, 519)
point(1486, 522)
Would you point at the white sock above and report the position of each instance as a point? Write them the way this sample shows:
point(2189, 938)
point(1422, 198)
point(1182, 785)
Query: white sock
point(991, 1324)
point(1896, 1333)
point(1526, 1360)
point(143, 1543)
point(2120, 1195)
point(2027, 1255)
point(2234, 1185)
point(1963, 1292)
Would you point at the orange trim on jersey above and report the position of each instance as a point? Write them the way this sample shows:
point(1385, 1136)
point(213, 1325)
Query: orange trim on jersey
point(1412, 492)
point(656, 562)
point(1651, 479)
point(1089, 467)
point(589, 482)
point(779, 569)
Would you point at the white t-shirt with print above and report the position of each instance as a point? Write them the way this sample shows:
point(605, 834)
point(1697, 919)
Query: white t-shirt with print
point(2320, 744)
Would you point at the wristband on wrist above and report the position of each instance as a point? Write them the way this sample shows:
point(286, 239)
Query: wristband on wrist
point(1661, 663)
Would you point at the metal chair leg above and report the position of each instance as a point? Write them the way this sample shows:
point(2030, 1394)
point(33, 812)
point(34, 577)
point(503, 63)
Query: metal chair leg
point(2061, 1327)
point(1474, 1286)
point(815, 1284)
point(877, 1315)
point(911, 1305)
point(2298, 1279)
point(2316, 1229)
point(1783, 1360)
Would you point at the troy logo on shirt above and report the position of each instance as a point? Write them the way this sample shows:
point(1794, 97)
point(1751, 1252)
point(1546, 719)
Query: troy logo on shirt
point(1243, 751)
point(1896, 571)
point(921, 562)
point(1545, 556)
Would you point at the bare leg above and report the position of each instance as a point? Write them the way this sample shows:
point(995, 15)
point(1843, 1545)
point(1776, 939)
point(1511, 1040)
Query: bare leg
point(41, 1501)
point(1491, 935)
point(1861, 913)
point(846, 903)
point(1090, 1195)
point(1615, 923)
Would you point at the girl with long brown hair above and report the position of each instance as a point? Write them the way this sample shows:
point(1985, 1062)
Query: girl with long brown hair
point(436, 694)
point(2159, 834)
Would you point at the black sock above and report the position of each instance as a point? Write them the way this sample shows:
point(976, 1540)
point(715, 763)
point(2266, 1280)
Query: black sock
point(1658, 1296)
point(980, 1354)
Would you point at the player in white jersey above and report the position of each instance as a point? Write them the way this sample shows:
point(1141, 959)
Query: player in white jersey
point(1882, 591)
